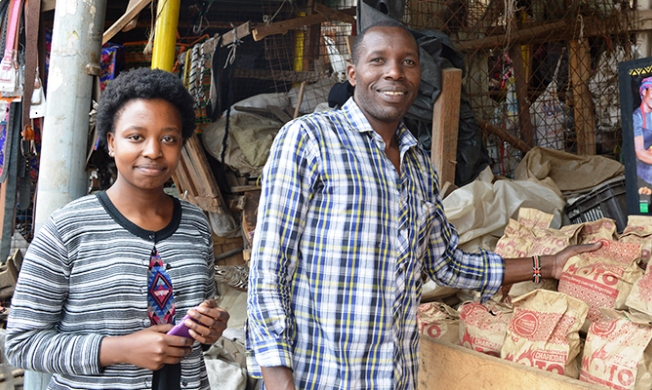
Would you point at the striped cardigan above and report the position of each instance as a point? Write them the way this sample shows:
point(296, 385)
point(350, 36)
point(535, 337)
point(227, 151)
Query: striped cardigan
point(84, 277)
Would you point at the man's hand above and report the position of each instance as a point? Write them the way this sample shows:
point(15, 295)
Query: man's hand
point(211, 322)
point(520, 270)
point(560, 259)
point(149, 348)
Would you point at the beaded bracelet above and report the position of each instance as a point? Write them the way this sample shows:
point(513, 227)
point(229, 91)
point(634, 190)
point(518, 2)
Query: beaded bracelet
point(536, 267)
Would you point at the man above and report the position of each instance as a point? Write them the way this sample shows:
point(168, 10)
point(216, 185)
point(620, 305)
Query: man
point(349, 217)
point(643, 137)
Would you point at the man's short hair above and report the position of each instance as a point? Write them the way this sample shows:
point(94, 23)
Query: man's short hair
point(358, 43)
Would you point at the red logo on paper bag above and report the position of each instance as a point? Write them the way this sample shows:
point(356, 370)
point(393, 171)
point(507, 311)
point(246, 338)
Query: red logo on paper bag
point(525, 324)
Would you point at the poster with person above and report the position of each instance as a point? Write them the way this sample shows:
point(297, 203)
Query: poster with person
point(635, 79)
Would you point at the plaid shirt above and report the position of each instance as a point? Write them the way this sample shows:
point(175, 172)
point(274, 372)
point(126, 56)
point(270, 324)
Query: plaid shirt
point(339, 249)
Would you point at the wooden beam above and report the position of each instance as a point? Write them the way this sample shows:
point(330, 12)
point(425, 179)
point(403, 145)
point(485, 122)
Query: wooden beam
point(445, 124)
point(333, 14)
point(525, 123)
point(293, 24)
point(562, 30)
point(133, 22)
point(124, 20)
point(503, 135)
point(523, 35)
point(278, 75)
point(445, 366)
point(240, 32)
point(580, 72)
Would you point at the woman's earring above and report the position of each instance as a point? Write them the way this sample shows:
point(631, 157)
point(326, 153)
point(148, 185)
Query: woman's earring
point(111, 153)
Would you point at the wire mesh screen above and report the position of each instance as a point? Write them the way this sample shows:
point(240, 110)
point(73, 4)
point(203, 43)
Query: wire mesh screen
point(305, 62)
point(538, 72)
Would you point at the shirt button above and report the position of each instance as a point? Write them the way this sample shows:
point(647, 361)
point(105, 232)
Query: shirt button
point(184, 383)
point(168, 266)
point(147, 323)
point(151, 236)
point(148, 384)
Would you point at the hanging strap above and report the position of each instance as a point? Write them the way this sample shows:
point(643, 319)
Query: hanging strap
point(32, 15)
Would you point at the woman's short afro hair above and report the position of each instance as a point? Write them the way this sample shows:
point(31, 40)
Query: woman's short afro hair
point(144, 83)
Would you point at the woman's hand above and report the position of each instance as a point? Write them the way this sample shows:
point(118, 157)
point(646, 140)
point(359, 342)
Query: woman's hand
point(211, 322)
point(149, 348)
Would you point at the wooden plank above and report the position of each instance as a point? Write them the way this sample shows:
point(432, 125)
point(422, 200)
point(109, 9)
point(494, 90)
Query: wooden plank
point(503, 135)
point(580, 70)
point(333, 14)
point(133, 22)
point(284, 26)
point(124, 20)
point(240, 32)
point(278, 75)
point(525, 123)
point(445, 123)
point(278, 112)
point(350, 41)
point(452, 367)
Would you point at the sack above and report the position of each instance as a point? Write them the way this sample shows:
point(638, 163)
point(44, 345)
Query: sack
point(639, 230)
point(639, 299)
point(602, 229)
point(602, 278)
point(530, 236)
point(617, 353)
point(544, 332)
point(439, 321)
point(483, 326)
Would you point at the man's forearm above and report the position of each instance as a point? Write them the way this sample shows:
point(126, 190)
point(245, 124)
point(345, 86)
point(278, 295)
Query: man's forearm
point(278, 378)
point(520, 270)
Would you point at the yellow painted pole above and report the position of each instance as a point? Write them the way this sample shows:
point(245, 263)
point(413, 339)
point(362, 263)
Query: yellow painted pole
point(165, 34)
point(299, 40)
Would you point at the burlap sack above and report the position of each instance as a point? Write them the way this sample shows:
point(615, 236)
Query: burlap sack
point(639, 231)
point(602, 278)
point(544, 332)
point(439, 321)
point(483, 326)
point(602, 229)
point(617, 353)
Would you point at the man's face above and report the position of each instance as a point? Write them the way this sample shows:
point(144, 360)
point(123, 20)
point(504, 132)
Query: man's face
point(387, 74)
point(647, 99)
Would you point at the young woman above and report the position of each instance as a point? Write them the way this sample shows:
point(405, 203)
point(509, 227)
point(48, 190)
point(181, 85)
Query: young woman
point(108, 275)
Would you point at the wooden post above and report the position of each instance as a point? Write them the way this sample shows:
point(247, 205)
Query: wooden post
point(580, 69)
point(525, 123)
point(445, 122)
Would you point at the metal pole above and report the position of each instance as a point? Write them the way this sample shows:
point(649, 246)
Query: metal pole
point(74, 60)
point(165, 34)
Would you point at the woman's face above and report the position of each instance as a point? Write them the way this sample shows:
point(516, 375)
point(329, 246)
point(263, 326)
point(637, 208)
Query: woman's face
point(146, 143)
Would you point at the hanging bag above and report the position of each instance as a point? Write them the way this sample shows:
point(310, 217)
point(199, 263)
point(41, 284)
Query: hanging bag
point(9, 64)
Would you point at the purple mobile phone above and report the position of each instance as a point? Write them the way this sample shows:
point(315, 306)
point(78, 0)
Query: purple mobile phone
point(180, 329)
